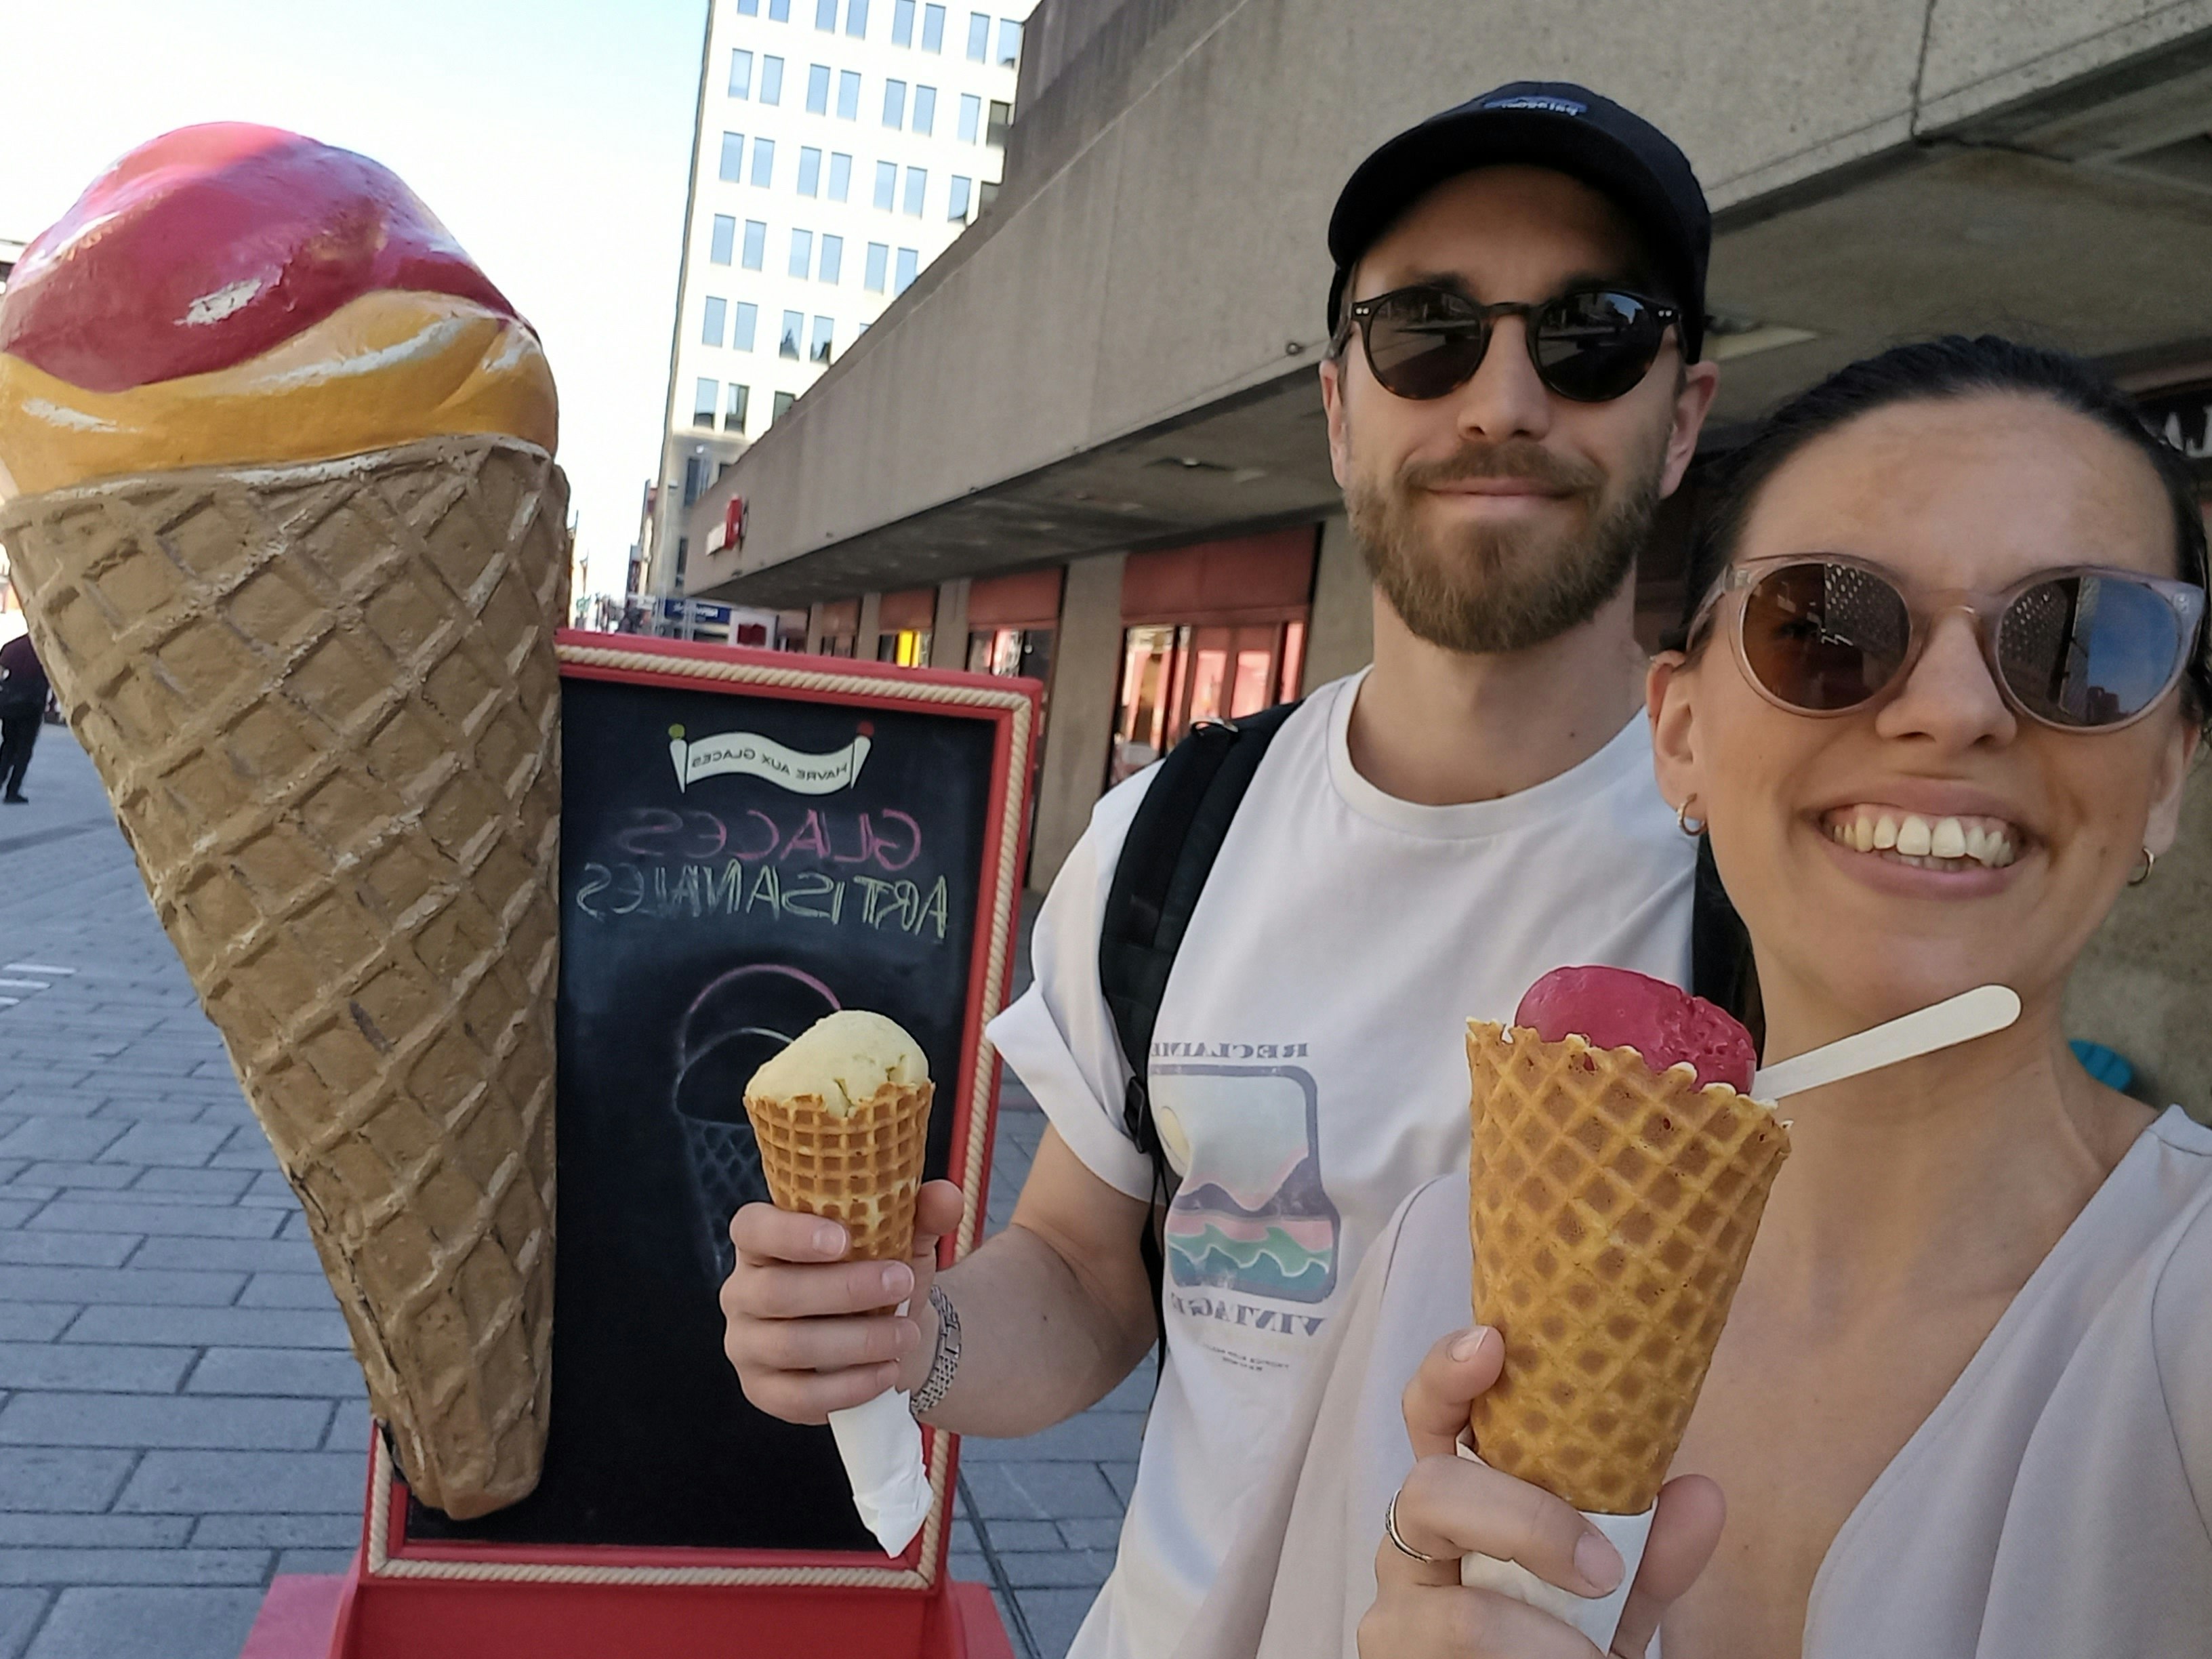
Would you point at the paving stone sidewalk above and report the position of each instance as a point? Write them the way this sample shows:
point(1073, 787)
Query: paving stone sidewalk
point(179, 1417)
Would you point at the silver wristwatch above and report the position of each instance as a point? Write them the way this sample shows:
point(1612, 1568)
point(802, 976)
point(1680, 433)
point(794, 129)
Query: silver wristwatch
point(945, 1361)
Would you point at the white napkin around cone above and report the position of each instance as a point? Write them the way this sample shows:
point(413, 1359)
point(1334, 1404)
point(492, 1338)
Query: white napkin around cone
point(1595, 1617)
point(881, 1445)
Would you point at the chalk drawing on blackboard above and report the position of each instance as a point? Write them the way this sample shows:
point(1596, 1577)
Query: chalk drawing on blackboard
point(735, 1023)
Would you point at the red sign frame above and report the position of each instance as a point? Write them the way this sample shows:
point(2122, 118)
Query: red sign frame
point(453, 1600)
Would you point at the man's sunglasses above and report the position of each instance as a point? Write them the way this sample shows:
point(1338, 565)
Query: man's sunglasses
point(2080, 648)
point(1589, 346)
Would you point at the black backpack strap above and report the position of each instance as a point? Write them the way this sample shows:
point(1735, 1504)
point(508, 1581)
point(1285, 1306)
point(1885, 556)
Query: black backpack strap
point(1165, 859)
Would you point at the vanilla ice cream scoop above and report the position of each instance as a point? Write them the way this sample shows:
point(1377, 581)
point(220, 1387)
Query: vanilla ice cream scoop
point(841, 1060)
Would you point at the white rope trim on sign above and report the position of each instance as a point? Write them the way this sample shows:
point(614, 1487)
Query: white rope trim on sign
point(380, 1563)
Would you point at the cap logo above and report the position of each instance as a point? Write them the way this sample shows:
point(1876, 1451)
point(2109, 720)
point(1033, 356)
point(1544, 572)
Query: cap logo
point(1534, 100)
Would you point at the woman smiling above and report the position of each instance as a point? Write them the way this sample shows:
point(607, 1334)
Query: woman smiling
point(1943, 683)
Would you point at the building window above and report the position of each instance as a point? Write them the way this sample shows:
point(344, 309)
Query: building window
point(802, 252)
point(718, 313)
point(840, 177)
point(817, 89)
point(925, 111)
point(819, 350)
point(1002, 115)
point(825, 14)
point(917, 187)
point(756, 244)
point(734, 412)
point(763, 160)
point(726, 233)
point(933, 28)
point(702, 414)
point(682, 552)
point(971, 118)
point(748, 7)
point(878, 273)
point(902, 22)
point(734, 158)
point(694, 467)
point(743, 321)
point(849, 94)
point(856, 18)
point(781, 405)
point(741, 75)
point(1010, 43)
point(795, 325)
point(771, 86)
point(909, 262)
point(894, 103)
point(809, 171)
point(887, 184)
point(978, 37)
point(956, 204)
point(833, 258)
point(779, 11)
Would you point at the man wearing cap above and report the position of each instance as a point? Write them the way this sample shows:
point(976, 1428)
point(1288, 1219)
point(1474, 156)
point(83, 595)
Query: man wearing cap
point(1512, 385)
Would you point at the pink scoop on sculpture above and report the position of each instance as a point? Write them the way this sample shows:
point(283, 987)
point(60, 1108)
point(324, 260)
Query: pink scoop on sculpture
point(1614, 1008)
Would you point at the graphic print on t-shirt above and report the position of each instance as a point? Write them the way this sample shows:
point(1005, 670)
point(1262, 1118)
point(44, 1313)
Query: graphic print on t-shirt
point(1252, 1215)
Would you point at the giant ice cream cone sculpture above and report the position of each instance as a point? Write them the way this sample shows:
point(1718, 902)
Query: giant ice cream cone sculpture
point(276, 483)
point(1617, 1180)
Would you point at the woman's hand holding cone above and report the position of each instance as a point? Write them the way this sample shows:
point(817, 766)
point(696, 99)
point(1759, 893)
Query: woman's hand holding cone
point(809, 1332)
point(1450, 1506)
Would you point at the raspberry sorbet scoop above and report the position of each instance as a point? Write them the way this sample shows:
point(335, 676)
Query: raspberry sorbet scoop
point(1614, 1008)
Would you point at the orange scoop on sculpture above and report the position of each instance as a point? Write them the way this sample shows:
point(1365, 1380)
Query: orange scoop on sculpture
point(1614, 1197)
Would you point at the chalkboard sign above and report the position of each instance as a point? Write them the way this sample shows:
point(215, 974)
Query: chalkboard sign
point(749, 841)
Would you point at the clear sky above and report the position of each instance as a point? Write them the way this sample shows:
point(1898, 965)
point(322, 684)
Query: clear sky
point(552, 136)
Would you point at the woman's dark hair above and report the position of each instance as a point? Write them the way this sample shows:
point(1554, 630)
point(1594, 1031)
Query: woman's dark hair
point(1930, 371)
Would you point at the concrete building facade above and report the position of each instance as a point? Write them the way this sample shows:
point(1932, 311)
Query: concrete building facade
point(839, 147)
point(1107, 386)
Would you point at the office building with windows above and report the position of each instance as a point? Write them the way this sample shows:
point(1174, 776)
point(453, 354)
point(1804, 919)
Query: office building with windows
point(839, 146)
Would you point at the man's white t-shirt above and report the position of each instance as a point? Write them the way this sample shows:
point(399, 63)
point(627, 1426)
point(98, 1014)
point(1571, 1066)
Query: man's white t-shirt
point(1309, 1071)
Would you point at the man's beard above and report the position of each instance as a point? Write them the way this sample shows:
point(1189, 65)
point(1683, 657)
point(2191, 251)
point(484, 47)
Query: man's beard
point(1494, 588)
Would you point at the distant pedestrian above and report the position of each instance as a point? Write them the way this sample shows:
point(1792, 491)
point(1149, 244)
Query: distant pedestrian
point(22, 706)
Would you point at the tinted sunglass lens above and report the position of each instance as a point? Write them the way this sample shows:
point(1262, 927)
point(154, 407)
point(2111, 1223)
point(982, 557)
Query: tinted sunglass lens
point(2086, 650)
point(1825, 637)
point(1423, 345)
point(1596, 347)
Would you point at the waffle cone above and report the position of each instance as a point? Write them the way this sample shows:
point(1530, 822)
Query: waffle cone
point(862, 1169)
point(325, 703)
point(1613, 1209)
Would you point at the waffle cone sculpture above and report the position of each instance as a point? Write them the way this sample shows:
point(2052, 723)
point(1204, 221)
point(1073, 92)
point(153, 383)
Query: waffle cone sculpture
point(317, 679)
point(1612, 1209)
point(842, 1119)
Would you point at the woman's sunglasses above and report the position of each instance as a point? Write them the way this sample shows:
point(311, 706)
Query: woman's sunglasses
point(2082, 649)
point(1589, 347)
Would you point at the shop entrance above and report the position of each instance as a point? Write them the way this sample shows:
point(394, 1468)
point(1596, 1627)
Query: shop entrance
point(1210, 633)
point(1172, 677)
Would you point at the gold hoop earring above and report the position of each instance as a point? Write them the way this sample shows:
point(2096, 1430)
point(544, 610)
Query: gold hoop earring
point(2149, 863)
point(1682, 822)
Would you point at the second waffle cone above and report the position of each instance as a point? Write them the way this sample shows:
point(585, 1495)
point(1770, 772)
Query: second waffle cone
point(1612, 1210)
point(861, 1169)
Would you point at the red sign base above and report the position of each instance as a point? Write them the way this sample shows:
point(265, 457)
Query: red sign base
point(352, 1616)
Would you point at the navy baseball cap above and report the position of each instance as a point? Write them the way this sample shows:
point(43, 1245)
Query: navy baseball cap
point(1546, 124)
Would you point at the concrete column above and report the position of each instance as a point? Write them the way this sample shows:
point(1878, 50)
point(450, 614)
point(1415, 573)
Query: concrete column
point(948, 635)
point(1086, 670)
point(814, 629)
point(2142, 985)
point(872, 624)
point(1340, 634)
